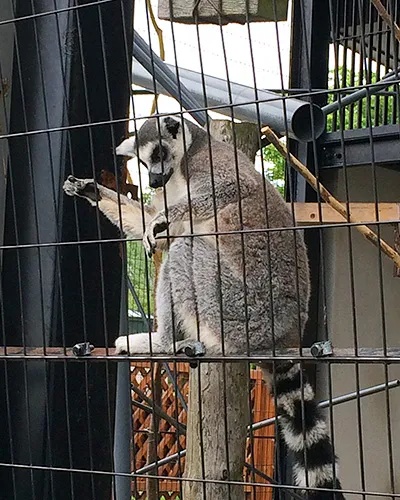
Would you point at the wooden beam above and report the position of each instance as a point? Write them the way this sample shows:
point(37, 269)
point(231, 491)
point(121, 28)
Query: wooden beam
point(309, 213)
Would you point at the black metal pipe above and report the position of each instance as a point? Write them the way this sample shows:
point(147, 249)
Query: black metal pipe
point(387, 81)
point(280, 114)
point(165, 77)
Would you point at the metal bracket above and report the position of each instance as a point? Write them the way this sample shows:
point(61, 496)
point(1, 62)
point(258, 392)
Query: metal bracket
point(192, 349)
point(82, 349)
point(386, 147)
point(321, 349)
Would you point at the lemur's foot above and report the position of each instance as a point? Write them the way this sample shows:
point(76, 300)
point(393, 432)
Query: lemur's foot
point(122, 345)
point(139, 343)
point(86, 188)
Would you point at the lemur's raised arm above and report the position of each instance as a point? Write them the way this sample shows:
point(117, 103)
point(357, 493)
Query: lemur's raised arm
point(125, 213)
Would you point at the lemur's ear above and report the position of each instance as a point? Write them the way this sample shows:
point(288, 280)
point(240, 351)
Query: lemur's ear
point(172, 125)
point(126, 148)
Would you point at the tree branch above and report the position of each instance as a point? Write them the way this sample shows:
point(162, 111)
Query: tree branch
point(330, 199)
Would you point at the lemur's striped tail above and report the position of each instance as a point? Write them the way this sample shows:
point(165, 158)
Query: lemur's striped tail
point(305, 434)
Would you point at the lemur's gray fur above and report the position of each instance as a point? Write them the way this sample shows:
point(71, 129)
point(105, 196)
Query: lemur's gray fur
point(256, 292)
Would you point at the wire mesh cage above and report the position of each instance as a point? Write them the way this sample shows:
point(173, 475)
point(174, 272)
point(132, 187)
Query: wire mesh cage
point(199, 250)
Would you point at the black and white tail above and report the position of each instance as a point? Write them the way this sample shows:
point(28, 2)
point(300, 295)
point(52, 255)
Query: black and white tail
point(305, 433)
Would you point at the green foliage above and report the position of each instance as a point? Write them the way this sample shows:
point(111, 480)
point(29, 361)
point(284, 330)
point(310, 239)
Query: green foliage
point(147, 195)
point(137, 269)
point(378, 108)
point(274, 167)
point(137, 273)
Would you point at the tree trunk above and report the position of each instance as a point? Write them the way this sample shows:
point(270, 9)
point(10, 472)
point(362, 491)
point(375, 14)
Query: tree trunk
point(152, 488)
point(247, 136)
point(223, 430)
point(218, 403)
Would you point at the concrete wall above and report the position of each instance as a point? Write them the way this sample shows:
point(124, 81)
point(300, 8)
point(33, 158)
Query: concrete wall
point(370, 319)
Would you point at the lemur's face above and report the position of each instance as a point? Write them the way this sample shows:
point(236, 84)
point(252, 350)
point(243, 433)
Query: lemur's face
point(160, 148)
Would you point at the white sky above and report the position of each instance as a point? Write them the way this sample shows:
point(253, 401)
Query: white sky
point(270, 44)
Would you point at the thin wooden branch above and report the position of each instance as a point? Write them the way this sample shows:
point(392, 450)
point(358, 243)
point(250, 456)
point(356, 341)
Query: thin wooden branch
point(386, 17)
point(329, 198)
point(160, 37)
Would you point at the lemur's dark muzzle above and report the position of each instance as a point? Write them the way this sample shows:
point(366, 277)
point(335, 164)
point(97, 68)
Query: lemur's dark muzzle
point(159, 180)
point(156, 180)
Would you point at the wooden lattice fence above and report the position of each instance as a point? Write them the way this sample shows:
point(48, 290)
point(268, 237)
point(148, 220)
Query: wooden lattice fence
point(262, 442)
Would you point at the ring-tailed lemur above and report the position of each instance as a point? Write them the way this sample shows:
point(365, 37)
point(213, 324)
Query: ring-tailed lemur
point(255, 290)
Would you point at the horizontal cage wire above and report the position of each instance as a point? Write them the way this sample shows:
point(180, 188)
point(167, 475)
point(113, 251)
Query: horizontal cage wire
point(199, 249)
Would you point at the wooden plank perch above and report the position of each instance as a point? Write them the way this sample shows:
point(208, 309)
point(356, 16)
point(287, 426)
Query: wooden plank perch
point(329, 198)
point(341, 354)
point(309, 213)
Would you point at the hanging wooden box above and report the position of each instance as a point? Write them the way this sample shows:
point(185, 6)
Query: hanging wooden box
point(222, 11)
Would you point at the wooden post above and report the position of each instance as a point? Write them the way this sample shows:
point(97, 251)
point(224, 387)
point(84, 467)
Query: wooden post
point(208, 442)
point(218, 410)
point(246, 136)
point(152, 489)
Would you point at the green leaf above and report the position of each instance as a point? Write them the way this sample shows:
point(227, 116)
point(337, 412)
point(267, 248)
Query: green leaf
point(137, 268)
point(274, 167)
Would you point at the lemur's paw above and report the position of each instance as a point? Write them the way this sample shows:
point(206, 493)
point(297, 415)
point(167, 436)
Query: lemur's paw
point(156, 226)
point(149, 242)
point(73, 186)
point(86, 188)
point(121, 345)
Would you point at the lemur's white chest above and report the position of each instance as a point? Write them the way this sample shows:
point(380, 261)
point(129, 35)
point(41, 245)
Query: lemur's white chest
point(176, 191)
point(173, 192)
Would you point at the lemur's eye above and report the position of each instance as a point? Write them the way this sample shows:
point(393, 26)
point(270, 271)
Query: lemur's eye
point(159, 154)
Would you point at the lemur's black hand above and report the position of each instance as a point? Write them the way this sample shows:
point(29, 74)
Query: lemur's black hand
point(156, 226)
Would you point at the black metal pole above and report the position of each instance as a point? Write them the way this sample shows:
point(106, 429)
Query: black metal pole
point(7, 478)
point(308, 70)
point(123, 415)
point(70, 68)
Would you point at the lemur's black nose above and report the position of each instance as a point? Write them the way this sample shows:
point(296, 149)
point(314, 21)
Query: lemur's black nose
point(156, 180)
